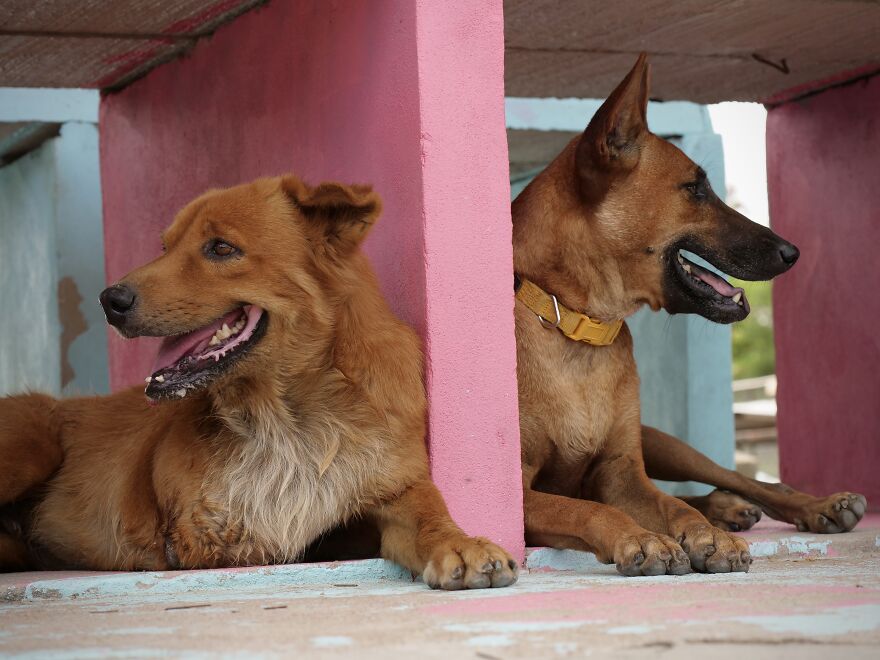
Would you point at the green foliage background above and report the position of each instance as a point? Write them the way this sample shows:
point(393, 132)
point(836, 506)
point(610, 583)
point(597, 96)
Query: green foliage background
point(753, 351)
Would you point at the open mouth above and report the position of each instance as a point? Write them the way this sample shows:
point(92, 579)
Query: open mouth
point(191, 361)
point(721, 300)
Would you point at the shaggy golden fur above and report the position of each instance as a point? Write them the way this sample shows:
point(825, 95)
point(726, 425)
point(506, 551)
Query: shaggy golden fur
point(321, 421)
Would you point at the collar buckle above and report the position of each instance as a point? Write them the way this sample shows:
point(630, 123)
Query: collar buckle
point(550, 325)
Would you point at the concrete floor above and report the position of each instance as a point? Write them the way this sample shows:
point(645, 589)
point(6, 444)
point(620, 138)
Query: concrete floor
point(806, 596)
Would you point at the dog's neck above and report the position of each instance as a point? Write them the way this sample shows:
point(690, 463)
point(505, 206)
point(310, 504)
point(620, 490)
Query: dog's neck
point(550, 233)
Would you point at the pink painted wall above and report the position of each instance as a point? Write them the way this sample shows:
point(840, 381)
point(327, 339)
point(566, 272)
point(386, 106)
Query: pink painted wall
point(407, 95)
point(468, 259)
point(824, 183)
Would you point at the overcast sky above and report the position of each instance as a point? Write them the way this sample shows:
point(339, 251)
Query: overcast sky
point(742, 128)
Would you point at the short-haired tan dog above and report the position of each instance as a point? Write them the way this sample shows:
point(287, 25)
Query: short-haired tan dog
point(597, 235)
point(290, 400)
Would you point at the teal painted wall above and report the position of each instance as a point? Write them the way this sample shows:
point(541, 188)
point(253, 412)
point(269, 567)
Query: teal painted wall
point(52, 268)
point(29, 347)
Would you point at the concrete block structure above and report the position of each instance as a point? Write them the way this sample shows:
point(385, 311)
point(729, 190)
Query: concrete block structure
point(409, 96)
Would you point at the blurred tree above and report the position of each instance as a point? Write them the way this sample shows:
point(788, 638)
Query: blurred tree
point(753, 350)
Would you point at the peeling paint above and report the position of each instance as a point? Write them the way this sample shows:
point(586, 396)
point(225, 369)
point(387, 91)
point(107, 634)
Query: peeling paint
point(840, 621)
point(73, 323)
point(513, 626)
point(548, 559)
point(490, 640)
point(194, 583)
point(331, 641)
point(632, 630)
point(793, 545)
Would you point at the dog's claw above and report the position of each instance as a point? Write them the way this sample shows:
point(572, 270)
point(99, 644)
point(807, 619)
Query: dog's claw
point(712, 550)
point(469, 563)
point(650, 554)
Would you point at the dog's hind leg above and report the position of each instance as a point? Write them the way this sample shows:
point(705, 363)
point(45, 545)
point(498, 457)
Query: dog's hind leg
point(726, 510)
point(670, 459)
point(418, 533)
point(30, 446)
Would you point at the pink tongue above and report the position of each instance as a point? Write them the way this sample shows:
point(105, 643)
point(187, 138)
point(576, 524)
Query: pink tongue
point(174, 348)
point(715, 282)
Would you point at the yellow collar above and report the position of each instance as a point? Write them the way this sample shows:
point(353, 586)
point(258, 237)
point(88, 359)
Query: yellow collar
point(574, 325)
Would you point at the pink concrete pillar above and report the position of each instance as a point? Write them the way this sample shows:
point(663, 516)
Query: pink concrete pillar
point(406, 95)
point(824, 196)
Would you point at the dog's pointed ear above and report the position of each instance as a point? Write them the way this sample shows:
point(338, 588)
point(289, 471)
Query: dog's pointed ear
point(342, 215)
point(614, 136)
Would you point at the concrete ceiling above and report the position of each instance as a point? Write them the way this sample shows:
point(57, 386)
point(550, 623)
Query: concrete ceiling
point(701, 50)
point(101, 43)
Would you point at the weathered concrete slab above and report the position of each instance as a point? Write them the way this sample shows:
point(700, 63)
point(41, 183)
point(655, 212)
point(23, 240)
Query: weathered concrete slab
point(93, 43)
point(821, 593)
point(701, 50)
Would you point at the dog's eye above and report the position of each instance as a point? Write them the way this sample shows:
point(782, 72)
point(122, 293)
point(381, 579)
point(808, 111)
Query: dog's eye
point(217, 249)
point(696, 188)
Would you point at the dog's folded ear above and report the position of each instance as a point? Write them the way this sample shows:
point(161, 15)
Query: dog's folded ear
point(613, 138)
point(341, 214)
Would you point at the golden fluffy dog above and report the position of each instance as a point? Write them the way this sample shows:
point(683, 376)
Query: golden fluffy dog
point(289, 400)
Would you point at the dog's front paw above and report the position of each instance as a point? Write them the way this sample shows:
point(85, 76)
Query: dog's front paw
point(650, 554)
point(470, 563)
point(730, 512)
point(712, 550)
point(833, 514)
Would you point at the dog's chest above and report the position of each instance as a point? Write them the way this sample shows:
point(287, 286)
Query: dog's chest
point(574, 396)
point(268, 498)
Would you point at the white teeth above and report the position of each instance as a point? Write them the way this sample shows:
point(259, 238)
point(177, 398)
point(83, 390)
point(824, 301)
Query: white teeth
point(160, 379)
point(680, 260)
point(225, 332)
point(687, 268)
point(181, 392)
point(737, 296)
point(149, 379)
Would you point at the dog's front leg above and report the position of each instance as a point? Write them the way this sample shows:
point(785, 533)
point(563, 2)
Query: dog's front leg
point(617, 477)
point(610, 534)
point(418, 533)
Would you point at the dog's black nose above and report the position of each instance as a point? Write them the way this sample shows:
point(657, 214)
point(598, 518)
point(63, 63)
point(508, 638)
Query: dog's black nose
point(117, 301)
point(789, 253)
